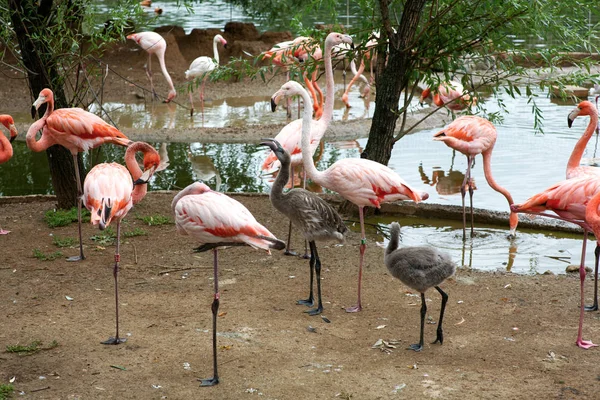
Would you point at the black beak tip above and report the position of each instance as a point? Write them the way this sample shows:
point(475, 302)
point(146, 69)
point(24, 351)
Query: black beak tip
point(569, 122)
point(273, 105)
point(225, 46)
point(352, 46)
point(33, 110)
point(139, 181)
point(12, 138)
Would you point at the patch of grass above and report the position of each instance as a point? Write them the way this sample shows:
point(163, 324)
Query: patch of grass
point(56, 218)
point(33, 347)
point(136, 232)
point(105, 237)
point(63, 242)
point(155, 220)
point(37, 253)
point(6, 391)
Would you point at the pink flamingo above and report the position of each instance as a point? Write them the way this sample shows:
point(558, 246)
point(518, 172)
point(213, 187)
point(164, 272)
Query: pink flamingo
point(6, 150)
point(290, 136)
point(361, 181)
point(573, 167)
point(217, 220)
point(472, 135)
point(358, 74)
point(570, 201)
point(75, 129)
point(154, 43)
point(109, 195)
point(202, 67)
point(450, 94)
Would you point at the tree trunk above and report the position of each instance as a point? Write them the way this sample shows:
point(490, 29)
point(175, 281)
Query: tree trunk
point(29, 21)
point(392, 79)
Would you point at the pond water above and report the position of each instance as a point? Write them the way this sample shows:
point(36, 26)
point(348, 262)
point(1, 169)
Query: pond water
point(523, 162)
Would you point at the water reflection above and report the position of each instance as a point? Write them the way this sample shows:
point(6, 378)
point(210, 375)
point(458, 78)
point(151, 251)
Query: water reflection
point(445, 184)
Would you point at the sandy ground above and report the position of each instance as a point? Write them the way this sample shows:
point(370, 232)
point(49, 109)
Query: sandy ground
point(506, 336)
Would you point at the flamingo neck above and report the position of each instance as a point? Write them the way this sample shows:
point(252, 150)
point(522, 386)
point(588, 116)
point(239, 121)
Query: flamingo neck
point(307, 161)
point(215, 50)
point(575, 158)
point(330, 87)
point(139, 191)
point(163, 68)
point(45, 140)
point(6, 150)
point(487, 170)
point(283, 176)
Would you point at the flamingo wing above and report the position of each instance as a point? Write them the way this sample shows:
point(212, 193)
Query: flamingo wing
point(290, 138)
point(368, 183)
point(149, 41)
point(213, 217)
point(200, 66)
point(468, 134)
point(107, 193)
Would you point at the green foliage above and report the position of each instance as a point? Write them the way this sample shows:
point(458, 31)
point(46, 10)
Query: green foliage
point(63, 242)
point(37, 253)
point(136, 232)
point(155, 220)
point(6, 390)
point(105, 237)
point(33, 347)
point(55, 218)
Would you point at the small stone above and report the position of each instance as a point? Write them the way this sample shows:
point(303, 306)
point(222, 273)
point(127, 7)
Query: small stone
point(548, 272)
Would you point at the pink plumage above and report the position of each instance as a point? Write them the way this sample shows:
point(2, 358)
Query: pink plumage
point(6, 150)
point(573, 167)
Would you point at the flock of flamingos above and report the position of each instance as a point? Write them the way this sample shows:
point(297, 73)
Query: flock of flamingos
point(215, 220)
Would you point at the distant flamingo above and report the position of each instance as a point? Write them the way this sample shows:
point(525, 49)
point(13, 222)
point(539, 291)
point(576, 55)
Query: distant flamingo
point(472, 135)
point(361, 181)
point(75, 129)
point(202, 67)
point(6, 150)
point(316, 218)
point(154, 43)
point(573, 167)
point(291, 134)
point(569, 200)
point(217, 220)
point(109, 194)
point(450, 94)
point(358, 74)
point(420, 268)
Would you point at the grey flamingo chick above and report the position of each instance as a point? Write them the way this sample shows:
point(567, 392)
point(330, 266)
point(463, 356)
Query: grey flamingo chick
point(420, 268)
point(316, 218)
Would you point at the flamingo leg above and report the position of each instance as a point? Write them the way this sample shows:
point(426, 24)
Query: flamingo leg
point(363, 247)
point(470, 183)
point(419, 346)
point(149, 75)
point(440, 332)
point(317, 266)
point(191, 103)
point(594, 307)
point(79, 195)
point(116, 339)
point(202, 97)
point(310, 301)
point(288, 251)
point(584, 344)
point(215, 309)
point(463, 191)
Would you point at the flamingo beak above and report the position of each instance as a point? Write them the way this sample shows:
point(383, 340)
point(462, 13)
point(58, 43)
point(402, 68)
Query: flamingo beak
point(40, 100)
point(145, 176)
point(271, 143)
point(13, 132)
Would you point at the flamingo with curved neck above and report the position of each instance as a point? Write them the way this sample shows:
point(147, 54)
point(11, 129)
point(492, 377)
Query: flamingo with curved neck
point(6, 150)
point(154, 43)
point(573, 167)
point(77, 130)
point(361, 181)
point(202, 67)
point(109, 195)
point(472, 135)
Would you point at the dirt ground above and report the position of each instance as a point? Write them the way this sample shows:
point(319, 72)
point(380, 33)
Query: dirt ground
point(506, 336)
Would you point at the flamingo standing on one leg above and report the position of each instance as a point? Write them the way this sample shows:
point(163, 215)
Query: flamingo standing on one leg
point(154, 43)
point(568, 200)
point(291, 134)
point(202, 67)
point(361, 181)
point(420, 268)
point(472, 135)
point(109, 195)
point(6, 150)
point(75, 129)
point(217, 220)
point(317, 219)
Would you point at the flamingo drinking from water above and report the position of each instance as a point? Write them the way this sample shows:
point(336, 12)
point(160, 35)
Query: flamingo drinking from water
point(154, 43)
point(568, 199)
point(450, 94)
point(360, 181)
point(6, 150)
point(472, 135)
point(202, 67)
point(109, 192)
point(77, 130)
point(291, 134)
point(217, 220)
